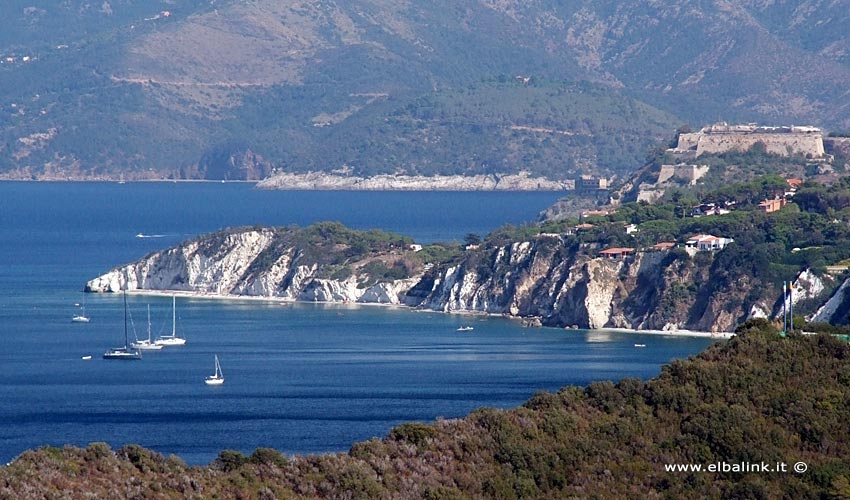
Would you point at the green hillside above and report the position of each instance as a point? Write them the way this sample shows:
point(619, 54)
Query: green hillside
point(199, 88)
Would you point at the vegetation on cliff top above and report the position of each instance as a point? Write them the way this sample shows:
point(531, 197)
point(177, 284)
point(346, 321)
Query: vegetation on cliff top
point(756, 398)
point(338, 251)
point(809, 233)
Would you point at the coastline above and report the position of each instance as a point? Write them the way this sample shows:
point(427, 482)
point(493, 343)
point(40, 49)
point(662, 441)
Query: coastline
point(129, 181)
point(675, 333)
point(283, 300)
point(330, 181)
point(378, 183)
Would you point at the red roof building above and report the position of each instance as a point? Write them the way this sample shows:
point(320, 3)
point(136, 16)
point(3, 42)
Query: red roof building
point(794, 183)
point(663, 246)
point(616, 252)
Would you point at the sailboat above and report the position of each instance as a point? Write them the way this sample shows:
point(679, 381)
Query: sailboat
point(81, 318)
point(146, 344)
point(173, 339)
point(217, 378)
point(123, 352)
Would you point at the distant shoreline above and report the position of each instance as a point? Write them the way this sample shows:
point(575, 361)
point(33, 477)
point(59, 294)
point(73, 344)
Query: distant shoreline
point(325, 181)
point(128, 181)
point(458, 184)
point(282, 300)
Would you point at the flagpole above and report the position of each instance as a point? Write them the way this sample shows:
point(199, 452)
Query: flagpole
point(784, 308)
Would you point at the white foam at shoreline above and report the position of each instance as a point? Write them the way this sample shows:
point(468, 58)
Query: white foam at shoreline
point(284, 300)
point(674, 333)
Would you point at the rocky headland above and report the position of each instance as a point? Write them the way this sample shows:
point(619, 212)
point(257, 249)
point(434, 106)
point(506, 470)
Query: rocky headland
point(547, 277)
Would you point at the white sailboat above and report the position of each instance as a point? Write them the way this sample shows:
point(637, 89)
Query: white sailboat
point(217, 378)
point(173, 339)
point(146, 344)
point(81, 318)
point(123, 352)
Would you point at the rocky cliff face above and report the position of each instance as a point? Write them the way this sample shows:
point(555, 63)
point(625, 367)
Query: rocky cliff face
point(549, 278)
point(245, 263)
point(543, 278)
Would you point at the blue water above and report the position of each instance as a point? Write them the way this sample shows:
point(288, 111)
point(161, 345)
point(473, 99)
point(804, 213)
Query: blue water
point(299, 377)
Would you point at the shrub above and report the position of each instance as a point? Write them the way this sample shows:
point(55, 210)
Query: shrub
point(414, 433)
point(229, 460)
point(268, 456)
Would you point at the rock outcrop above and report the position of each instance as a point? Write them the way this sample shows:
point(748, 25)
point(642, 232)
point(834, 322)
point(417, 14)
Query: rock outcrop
point(546, 278)
point(237, 263)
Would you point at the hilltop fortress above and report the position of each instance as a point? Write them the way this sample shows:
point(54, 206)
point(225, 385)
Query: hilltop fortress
point(722, 137)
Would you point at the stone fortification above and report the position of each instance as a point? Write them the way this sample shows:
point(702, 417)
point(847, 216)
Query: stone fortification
point(722, 138)
point(837, 145)
point(686, 173)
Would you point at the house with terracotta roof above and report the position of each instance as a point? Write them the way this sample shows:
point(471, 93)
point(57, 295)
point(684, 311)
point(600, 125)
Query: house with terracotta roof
point(706, 243)
point(616, 253)
point(662, 247)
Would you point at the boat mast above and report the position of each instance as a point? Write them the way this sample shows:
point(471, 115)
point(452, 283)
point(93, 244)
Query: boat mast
point(126, 341)
point(173, 316)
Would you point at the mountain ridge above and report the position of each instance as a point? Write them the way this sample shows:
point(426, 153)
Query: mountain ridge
point(134, 89)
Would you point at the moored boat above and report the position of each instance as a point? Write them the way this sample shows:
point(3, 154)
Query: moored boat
point(123, 352)
point(218, 377)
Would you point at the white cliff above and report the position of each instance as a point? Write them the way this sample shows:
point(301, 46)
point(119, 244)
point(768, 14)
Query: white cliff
point(189, 267)
point(388, 182)
point(828, 310)
point(545, 279)
point(230, 264)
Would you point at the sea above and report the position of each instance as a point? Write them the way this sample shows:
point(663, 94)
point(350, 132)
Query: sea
point(299, 377)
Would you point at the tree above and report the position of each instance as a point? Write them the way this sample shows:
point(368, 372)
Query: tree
point(472, 239)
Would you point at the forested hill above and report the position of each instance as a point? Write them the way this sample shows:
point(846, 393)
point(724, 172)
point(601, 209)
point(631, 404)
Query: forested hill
point(235, 88)
point(757, 399)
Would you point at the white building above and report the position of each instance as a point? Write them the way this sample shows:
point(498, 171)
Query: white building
point(706, 243)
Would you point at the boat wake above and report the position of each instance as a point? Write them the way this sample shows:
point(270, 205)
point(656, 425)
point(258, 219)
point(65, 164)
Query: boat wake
point(143, 235)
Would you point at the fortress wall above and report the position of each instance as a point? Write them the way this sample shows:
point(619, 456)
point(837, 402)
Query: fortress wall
point(665, 173)
point(833, 145)
point(688, 141)
point(691, 173)
point(780, 144)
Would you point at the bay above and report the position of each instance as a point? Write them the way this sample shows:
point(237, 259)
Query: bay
point(301, 378)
